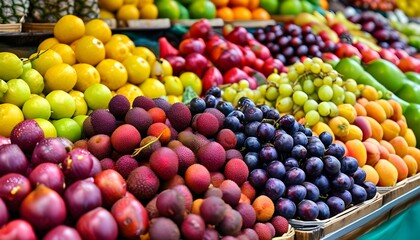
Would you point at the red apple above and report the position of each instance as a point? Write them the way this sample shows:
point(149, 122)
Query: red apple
point(249, 56)
point(370, 55)
point(361, 46)
point(238, 35)
point(339, 28)
point(97, 224)
point(177, 63)
point(388, 55)
point(197, 63)
point(256, 77)
point(234, 75)
point(214, 42)
point(212, 77)
point(400, 53)
point(409, 64)
point(200, 29)
point(258, 64)
point(166, 48)
point(112, 186)
point(191, 45)
point(229, 58)
point(270, 65)
point(347, 50)
point(260, 50)
point(253, 82)
point(329, 57)
point(18, 229)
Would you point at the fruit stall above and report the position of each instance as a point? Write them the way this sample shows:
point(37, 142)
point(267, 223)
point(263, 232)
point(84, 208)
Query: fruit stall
point(209, 119)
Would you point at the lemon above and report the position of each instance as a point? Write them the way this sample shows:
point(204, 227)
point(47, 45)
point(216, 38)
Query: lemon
point(10, 116)
point(125, 39)
point(116, 49)
point(79, 100)
point(149, 11)
point(138, 69)
point(99, 29)
point(47, 127)
point(18, 92)
point(87, 75)
point(10, 66)
point(47, 43)
point(45, 59)
point(89, 50)
point(69, 28)
point(130, 91)
point(110, 5)
point(113, 73)
point(153, 88)
point(128, 12)
point(145, 53)
point(174, 99)
point(141, 3)
point(60, 77)
point(66, 53)
point(105, 14)
point(34, 80)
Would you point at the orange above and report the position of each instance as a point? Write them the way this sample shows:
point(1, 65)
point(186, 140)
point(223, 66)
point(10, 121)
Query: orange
point(260, 14)
point(87, 75)
point(220, 3)
point(66, 53)
point(239, 3)
point(111, 6)
point(130, 91)
point(241, 13)
point(45, 59)
point(128, 12)
point(116, 49)
point(10, 116)
point(125, 39)
point(99, 29)
point(61, 76)
point(47, 43)
point(89, 50)
point(264, 208)
point(253, 4)
point(149, 11)
point(113, 73)
point(225, 13)
point(69, 28)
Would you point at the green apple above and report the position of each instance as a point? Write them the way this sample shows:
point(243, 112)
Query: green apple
point(26, 65)
point(68, 128)
point(47, 127)
point(36, 107)
point(34, 80)
point(62, 104)
point(11, 66)
point(97, 96)
point(173, 85)
point(80, 119)
point(79, 100)
point(3, 87)
point(17, 93)
point(191, 79)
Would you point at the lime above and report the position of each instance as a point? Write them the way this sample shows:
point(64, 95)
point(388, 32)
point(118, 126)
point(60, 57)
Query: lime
point(97, 96)
point(183, 11)
point(10, 66)
point(168, 9)
point(290, 7)
point(68, 128)
point(202, 9)
point(62, 104)
point(17, 93)
point(47, 127)
point(271, 6)
point(36, 107)
point(79, 100)
point(80, 119)
point(307, 7)
point(34, 80)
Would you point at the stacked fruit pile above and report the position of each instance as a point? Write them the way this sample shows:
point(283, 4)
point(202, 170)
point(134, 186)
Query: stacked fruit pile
point(230, 10)
point(376, 5)
point(128, 9)
point(412, 9)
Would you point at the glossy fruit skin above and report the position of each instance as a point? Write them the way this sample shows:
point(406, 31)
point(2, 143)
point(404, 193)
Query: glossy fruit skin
point(382, 70)
point(97, 224)
point(18, 229)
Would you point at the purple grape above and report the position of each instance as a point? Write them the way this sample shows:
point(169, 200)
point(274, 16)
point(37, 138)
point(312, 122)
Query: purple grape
point(306, 29)
point(358, 193)
point(313, 50)
point(252, 144)
point(240, 139)
point(345, 195)
point(340, 182)
point(324, 210)
point(326, 138)
point(290, 163)
point(283, 41)
point(225, 107)
point(264, 108)
point(257, 178)
point(287, 121)
point(336, 205)
point(276, 169)
point(270, 36)
point(232, 123)
point(272, 114)
point(288, 51)
point(266, 131)
point(285, 208)
point(296, 193)
point(274, 188)
point(281, 57)
point(268, 154)
point(251, 128)
point(299, 138)
point(312, 191)
point(307, 210)
point(370, 189)
point(336, 150)
point(331, 165)
point(295, 42)
point(309, 39)
point(322, 183)
point(359, 176)
point(273, 47)
point(253, 114)
point(251, 159)
point(283, 143)
point(211, 101)
point(315, 149)
point(298, 152)
point(238, 114)
point(313, 167)
point(349, 165)
point(294, 176)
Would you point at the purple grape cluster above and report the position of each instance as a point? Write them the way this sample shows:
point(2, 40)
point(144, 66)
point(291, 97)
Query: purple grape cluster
point(290, 42)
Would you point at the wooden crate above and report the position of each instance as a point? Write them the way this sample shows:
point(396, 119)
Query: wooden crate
point(252, 23)
point(317, 229)
point(144, 24)
point(290, 235)
point(413, 182)
point(38, 27)
point(10, 27)
point(215, 22)
point(391, 193)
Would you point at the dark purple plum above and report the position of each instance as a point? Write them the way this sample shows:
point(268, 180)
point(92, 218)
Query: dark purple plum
point(285, 208)
point(322, 183)
point(251, 128)
point(215, 91)
point(224, 107)
point(336, 150)
point(312, 191)
point(258, 177)
point(252, 144)
point(12, 160)
point(239, 114)
point(299, 138)
point(266, 131)
point(210, 100)
point(274, 188)
point(240, 139)
point(370, 189)
point(324, 210)
point(272, 114)
point(326, 138)
point(296, 193)
point(197, 105)
point(302, 50)
point(290, 163)
point(268, 154)
point(276, 169)
point(315, 149)
point(251, 159)
point(298, 152)
point(232, 123)
point(332, 165)
point(245, 102)
point(358, 193)
point(313, 167)
point(283, 143)
point(264, 108)
point(294, 176)
point(336, 205)
point(345, 195)
point(287, 121)
point(340, 182)
point(307, 210)
point(308, 132)
point(253, 114)
point(349, 165)
point(359, 176)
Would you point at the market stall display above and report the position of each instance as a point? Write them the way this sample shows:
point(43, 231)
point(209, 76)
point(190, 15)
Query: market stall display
point(302, 124)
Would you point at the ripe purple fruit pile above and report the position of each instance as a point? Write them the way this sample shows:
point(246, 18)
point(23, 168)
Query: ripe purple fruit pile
point(193, 170)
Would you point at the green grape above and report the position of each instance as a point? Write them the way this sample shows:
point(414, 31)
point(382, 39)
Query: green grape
point(256, 94)
point(235, 86)
point(284, 105)
point(300, 97)
point(299, 67)
point(317, 60)
point(338, 81)
point(229, 94)
point(274, 77)
point(337, 91)
point(333, 109)
point(307, 63)
point(249, 93)
point(237, 97)
point(333, 74)
point(318, 82)
point(272, 93)
point(262, 89)
point(243, 84)
point(299, 114)
point(349, 97)
point(350, 85)
point(314, 96)
point(316, 68)
point(312, 117)
point(310, 105)
point(284, 79)
point(324, 109)
point(292, 75)
point(338, 100)
point(297, 87)
point(326, 68)
point(285, 90)
point(308, 86)
point(325, 93)
point(327, 80)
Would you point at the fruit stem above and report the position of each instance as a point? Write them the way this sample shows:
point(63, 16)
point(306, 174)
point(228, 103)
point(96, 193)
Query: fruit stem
point(138, 150)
